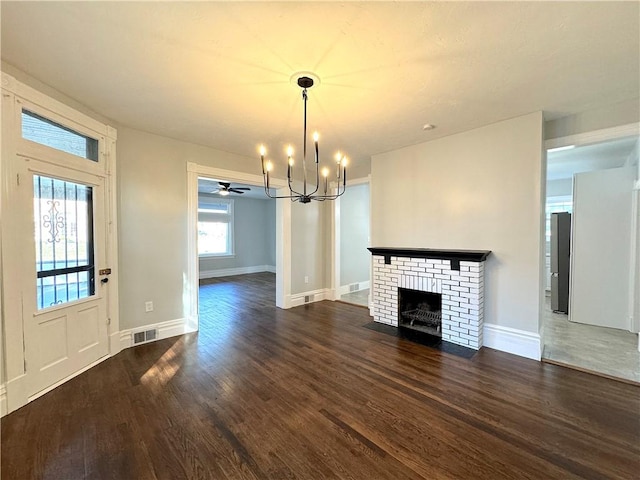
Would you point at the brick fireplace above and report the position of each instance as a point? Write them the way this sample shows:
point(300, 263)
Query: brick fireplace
point(443, 292)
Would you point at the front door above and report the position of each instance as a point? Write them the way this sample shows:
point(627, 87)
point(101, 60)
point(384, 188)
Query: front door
point(64, 297)
point(55, 241)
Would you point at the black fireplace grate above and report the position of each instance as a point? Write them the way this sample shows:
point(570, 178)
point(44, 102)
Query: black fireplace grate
point(424, 317)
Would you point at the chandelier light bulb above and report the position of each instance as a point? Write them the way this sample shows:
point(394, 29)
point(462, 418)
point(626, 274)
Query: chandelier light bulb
point(309, 191)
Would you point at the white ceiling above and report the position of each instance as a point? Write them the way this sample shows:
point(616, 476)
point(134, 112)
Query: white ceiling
point(599, 156)
point(218, 73)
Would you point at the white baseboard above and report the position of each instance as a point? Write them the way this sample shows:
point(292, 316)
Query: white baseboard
point(510, 340)
point(227, 272)
point(191, 324)
point(314, 296)
point(167, 329)
point(18, 396)
point(3, 400)
point(344, 289)
point(114, 344)
point(331, 294)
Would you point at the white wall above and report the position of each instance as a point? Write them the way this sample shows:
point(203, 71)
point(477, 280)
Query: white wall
point(254, 237)
point(152, 210)
point(621, 113)
point(53, 93)
point(354, 235)
point(152, 179)
point(270, 238)
point(309, 228)
point(481, 189)
point(559, 188)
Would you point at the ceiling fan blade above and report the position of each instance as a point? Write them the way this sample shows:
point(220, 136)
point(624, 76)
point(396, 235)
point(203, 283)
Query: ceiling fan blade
point(215, 191)
point(242, 188)
point(225, 185)
point(235, 190)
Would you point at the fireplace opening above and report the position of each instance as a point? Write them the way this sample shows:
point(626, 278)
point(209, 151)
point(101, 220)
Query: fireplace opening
point(420, 311)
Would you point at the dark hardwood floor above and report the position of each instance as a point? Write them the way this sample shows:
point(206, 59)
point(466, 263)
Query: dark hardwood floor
point(309, 393)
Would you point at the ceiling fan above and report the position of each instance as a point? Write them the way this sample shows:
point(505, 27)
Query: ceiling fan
point(225, 189)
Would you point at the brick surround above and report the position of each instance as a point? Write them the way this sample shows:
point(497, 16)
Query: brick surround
point(462, 291)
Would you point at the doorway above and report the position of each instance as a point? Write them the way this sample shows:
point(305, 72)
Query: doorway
point(594, 184)
point(352, 237)
point(236, 248)
point(234, 254)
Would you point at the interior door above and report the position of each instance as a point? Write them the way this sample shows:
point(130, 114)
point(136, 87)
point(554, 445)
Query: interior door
point(601, 248)
point(64, 297)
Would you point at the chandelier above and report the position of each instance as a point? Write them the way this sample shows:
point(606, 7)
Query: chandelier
point(305, 196)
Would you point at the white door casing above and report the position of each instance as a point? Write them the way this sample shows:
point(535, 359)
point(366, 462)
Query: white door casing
point(283, 234)
point(45, 347)
point(588, 138)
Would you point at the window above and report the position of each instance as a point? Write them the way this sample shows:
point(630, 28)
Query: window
point(51, 134)
point(215, 226)
point(63, 220)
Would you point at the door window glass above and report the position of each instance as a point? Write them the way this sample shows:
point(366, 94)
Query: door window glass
point(63, 220)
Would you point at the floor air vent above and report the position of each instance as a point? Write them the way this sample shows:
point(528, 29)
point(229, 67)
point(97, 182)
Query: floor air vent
point(354, 287)
point(308, 298)
point(146, 336)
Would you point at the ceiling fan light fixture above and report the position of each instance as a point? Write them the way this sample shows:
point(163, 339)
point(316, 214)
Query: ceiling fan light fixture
point(226, 189)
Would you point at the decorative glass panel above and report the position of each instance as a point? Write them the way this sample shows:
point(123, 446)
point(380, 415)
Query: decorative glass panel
point(63, 217)
point(46, 132)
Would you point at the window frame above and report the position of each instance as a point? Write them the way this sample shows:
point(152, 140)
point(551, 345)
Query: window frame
point(34, 116)
point(203, 200)
point(89, 267)
point(30, 149)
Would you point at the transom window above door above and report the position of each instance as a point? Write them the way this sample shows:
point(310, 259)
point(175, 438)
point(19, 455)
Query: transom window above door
point(39, 129)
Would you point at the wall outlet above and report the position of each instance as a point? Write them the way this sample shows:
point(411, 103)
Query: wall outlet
point(306, 279)
point(148, 307)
